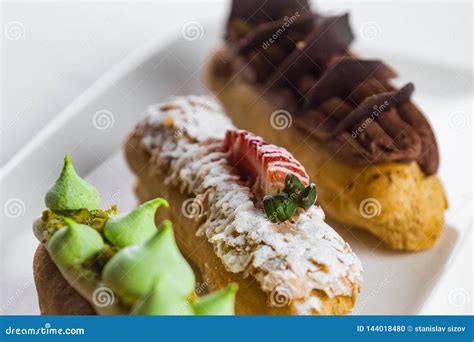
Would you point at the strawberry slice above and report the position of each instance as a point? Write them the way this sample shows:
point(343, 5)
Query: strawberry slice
point(264, 164)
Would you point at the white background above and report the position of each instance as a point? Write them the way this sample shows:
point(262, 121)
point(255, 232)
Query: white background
point(64, 47)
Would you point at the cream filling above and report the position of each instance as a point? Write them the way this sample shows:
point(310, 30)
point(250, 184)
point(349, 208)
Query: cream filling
point(288, 259)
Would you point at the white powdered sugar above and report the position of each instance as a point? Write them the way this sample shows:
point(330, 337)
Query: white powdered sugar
point(303, 255)
point(200, 117)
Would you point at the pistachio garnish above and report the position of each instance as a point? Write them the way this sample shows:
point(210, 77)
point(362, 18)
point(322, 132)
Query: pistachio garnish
point(71, 192)
point(135, 226)
point(281, 207)
point(308, 197)
point(74, 244)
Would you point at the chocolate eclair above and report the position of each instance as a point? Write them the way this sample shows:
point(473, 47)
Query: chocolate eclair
point(287, 74)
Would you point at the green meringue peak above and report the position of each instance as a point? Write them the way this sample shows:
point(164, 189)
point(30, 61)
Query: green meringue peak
point(135, 270)
point(163, 300)
point(74, 244)
point(218, 303)
point(135, 226)
point(71, 192)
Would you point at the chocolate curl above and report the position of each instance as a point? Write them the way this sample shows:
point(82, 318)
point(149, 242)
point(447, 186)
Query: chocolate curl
point(365, 109)
point(331, 35)
point(386, 136)
point(344, 76)
point(429, 159)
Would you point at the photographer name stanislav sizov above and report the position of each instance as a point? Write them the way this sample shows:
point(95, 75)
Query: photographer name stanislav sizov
point(437, 328)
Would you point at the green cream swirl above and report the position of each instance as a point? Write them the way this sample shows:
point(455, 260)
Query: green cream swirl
point(135, 270)
point(74, 244)
point(71, 192)
point(218, 303)
point(163, 300)
point(134, 227)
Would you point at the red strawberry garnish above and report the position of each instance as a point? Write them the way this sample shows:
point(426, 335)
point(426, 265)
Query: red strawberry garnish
point(264, 164)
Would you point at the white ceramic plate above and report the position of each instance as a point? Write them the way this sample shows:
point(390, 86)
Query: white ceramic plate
point(93, 128)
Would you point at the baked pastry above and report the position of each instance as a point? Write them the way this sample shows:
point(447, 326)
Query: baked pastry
point(247, 211)
point(96, 261)
point(286, 73)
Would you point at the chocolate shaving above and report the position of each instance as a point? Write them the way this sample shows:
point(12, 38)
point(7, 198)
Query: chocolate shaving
point(343, 77)
point(332, 36)
point(385, 101)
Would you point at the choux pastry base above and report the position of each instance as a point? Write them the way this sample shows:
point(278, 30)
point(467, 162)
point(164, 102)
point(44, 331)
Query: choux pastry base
point(394, 201)
point(64, 291)
point(55, 295)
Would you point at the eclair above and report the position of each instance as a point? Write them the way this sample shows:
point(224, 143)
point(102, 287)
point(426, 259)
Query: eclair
point(244, 211)
point(287, 74)
point(97, 261)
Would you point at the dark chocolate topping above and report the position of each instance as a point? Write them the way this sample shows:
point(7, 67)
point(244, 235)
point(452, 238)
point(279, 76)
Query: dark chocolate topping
point(265, 31)
point(345, 75)
point(300, 61)
point(364, 110)
point(317, 49)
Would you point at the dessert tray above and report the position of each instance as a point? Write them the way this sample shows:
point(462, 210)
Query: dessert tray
point(394, 282)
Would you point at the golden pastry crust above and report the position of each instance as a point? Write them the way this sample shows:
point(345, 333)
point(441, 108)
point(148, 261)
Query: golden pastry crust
point(394, 201)
point(55, 295)
point(250, 299)
point(71, 291)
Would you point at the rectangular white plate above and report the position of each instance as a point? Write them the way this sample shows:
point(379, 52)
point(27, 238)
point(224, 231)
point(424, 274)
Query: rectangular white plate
point(93, 128)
